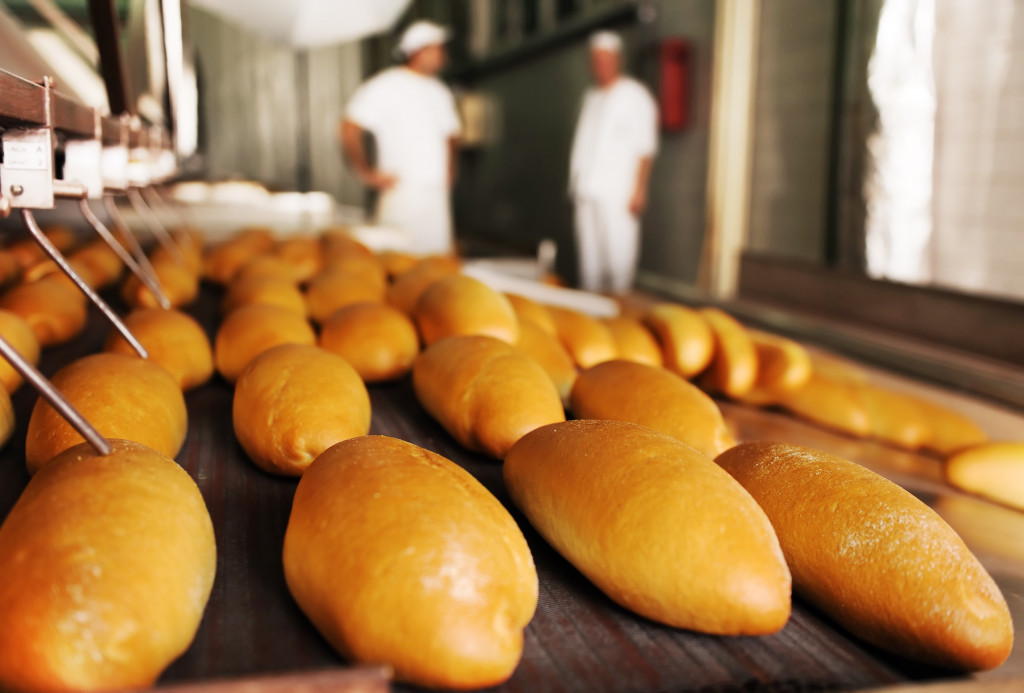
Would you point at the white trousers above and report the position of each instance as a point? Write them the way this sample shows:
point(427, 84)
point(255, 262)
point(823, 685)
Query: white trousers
point(423, 212)
point(607, 245)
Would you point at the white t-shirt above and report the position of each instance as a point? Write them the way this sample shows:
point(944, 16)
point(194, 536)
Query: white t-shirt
point(412, 116)
point(617, 127)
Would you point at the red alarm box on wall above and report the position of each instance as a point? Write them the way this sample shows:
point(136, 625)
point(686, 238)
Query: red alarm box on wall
point(674, 84)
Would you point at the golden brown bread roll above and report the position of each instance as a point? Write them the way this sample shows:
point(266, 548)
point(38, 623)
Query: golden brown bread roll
point(121, 396)
point(340, 243)
point(173, 339)
point(407, 287)
point(266, 267)
point(108, 564)
point(687, 344)
point(221, 262)
point(896, 418)
point(588, 341)
point(19, 335)
point(993, 470)
point(179, 284)
point(458, 305)
point(55, 311)
point(294, 401)
point(398, 556)
point(783, 366)
point(337, 287)
point(10, 268)
point(396, 263)
point(487, 394)
point(190, 250)
point(303, 253)
point(875, 558)
point(831, 403)
point(531, 311)
point(836, 367)
point(654, 397)
point(268, 290)
point(633, 341)
point(733, 367)
point(379, 341)
point(951, 431)
point(102, 262)
point(657, 526)
point(250, 330)
point(548, 352)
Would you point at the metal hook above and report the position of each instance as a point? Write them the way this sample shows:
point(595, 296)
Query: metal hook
point(155, 226)
point(158, 203)
point(52, 395)
point(133, 243)
point(148, 278)
point(55, 255)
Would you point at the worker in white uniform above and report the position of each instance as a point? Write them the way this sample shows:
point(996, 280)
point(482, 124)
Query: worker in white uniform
point(413, 119)
point(615, 142)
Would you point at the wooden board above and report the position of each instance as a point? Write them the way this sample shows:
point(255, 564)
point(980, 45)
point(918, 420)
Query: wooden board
point(578, 641)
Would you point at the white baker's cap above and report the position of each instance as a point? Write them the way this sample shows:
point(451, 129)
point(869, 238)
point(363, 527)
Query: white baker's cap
point(606, 41)
point(421, 34)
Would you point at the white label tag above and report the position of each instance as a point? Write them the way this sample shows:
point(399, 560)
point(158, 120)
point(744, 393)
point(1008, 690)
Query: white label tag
point(26, 156)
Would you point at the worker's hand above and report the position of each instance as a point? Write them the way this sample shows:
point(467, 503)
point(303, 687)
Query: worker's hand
point(638, 203)
point(380, 180)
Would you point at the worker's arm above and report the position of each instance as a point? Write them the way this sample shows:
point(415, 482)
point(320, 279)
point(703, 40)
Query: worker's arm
point(351, 136)
point(453, 160)
point(638, 202)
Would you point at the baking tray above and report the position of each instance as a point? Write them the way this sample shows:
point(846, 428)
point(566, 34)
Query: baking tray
point(579, 640)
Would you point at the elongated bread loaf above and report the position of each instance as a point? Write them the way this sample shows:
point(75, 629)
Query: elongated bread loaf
point(896, 418)
point(529, 310)
point(250, 330)
point(587, 340)
point(733, 367)
point(108, 564)
point(399, 556)
point(459, 305)
point(657, 526)
point(378, 340)
point(546, 350)
point(687, 344)
point(122, 396)
point(951, 431)
point(55, 311)
point(304, 253)
point(405, 291)
point(173, 339)
point(835, 404)
point(294, 401)
point(633, 341)
point(994, 470)
point(875, 558)
point(275, 291)
point(783, 366)
point(179, 284)
point(486, 393)
point(19, 335)
point(358, 281)
point(652, 397)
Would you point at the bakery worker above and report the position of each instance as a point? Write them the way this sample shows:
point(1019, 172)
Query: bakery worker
point(615, 142)
point(412, 116)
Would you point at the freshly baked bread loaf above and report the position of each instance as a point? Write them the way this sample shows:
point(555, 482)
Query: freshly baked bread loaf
point(404, 292)
point(173, 339)
point(121, 396)
point(654, 397)
point(783, 366)
point(588, 341)
point(55, 311)
point(836, 367)
point(273, 291)
point(487, 394)
point(875, 558)
point(340, 243)
point(108, 564)
point(189, 243)
point(528, 310)
point(178, 283)
point(993, 470)
point(303, 253)
point(633, 341)
point(458, 305)
point(103, 264)
point(399, 556)
point(896, 418)
point(831, 403)
point(396, 263)
point(548, 352)
point(20, 336)
point(657, 526)
point(951, 431)
point(337, 287)
point(250, 330)
point(266, 267)
point(379, 341)
point(294, 401)
point(687, 344)
point(733, 367)
point(221, 262)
